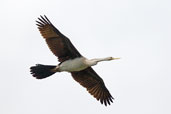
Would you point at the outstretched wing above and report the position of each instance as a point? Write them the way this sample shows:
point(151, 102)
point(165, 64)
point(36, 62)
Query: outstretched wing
point(89, 79)
point(59, 44)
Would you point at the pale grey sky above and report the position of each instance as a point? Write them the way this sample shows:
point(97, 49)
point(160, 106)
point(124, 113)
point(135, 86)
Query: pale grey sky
point(137, 31)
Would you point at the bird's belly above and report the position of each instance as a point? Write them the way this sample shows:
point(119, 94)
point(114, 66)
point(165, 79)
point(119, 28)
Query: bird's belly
point(73, 65)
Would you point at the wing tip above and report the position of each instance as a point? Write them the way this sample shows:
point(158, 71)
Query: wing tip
point(106, 98)
point(42, 21)
point(103, 96)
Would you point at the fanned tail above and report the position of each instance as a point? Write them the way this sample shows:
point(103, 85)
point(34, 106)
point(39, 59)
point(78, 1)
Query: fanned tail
point(42, 71)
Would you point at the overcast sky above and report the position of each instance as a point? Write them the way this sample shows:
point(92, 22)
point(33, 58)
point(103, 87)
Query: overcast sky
point(138, 31)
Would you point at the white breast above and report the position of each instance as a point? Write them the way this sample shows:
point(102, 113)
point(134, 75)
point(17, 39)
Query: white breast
point(76, 64)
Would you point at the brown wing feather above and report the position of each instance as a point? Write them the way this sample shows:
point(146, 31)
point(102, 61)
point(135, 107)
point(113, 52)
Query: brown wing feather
point(59, 44)
point(89, 79)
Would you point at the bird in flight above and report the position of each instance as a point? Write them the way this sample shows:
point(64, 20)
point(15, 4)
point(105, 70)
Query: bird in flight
point(71, 61)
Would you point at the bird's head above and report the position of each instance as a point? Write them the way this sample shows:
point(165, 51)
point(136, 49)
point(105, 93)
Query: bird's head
point(113, 58)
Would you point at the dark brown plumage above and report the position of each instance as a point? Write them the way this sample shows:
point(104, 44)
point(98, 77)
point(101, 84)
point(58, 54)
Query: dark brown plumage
point(59, 44)
point(89, 79)
point(62, 47)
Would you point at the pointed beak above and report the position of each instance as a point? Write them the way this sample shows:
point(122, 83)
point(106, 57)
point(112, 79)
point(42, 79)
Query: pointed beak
point(115, 58)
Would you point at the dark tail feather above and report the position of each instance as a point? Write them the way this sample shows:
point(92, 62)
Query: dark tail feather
point(42, 71)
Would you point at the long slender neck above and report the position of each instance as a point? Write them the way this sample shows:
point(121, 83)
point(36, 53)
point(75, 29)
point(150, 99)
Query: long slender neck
point(102, 59)
point(93, 62)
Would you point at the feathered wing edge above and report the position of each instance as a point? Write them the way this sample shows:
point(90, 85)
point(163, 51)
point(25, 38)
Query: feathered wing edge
point(47, 29)
point(89, 79)
point(59, 44)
